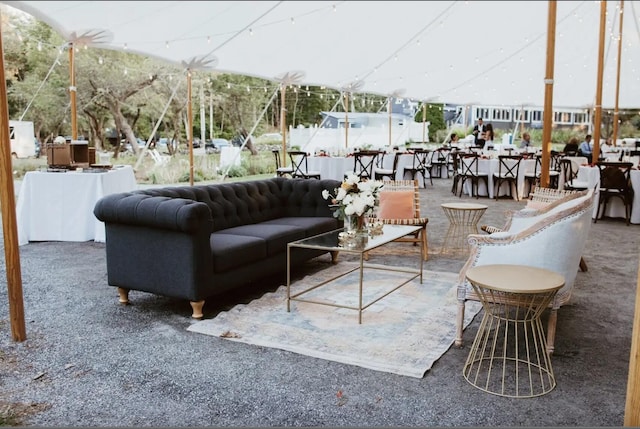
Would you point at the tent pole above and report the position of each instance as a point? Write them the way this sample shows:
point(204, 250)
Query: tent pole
point(283, 120)
point(346, 120)
point(9, 223)
point(598, 120)
point(547, 120)
point(190, 130)
point(616, 113)
point(72, 92)
point(389, 110)
point(424, 122)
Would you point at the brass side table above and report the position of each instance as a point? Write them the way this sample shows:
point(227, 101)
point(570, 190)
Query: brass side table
point(463, 220)
point(508, 356)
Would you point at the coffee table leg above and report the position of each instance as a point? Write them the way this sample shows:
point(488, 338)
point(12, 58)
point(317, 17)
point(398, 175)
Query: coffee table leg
point(288, 278)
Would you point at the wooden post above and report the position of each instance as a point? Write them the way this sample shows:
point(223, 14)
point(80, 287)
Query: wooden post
point(346, 120)
point(424, 122)
point(598, 119)
point(632, 406)
point(283, 121)
point(615, 112)
point(9, 224)
point(72, 92)
point(547, 121)
point(389, 110)
point(190, 130)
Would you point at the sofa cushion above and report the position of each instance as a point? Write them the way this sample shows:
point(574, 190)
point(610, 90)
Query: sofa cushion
point(230, 250)
point(276, 236)
point(310, 225)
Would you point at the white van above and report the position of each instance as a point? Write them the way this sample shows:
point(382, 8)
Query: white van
point(22, 139)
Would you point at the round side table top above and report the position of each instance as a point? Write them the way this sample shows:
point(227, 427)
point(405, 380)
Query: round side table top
point(464, 206)
point(515, 278)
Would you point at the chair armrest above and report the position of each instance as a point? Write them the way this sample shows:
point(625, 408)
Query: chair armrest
point(176, 214)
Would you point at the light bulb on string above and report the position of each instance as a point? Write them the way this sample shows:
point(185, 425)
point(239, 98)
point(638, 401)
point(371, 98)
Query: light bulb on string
point(166, 45)
point(100, 60)
point(39, 46)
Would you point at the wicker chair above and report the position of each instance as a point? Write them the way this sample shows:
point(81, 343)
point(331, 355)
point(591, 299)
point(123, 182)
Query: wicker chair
point(400, 205)
point(560, 229)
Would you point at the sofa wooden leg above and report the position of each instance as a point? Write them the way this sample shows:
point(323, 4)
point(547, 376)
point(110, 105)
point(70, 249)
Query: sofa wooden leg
point(124, 295)
point(459, 324)
point(551, 330)
point(197, 309)
point(334, 257)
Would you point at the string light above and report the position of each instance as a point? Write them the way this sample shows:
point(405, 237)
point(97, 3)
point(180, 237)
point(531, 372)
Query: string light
point(167, 45)
point(100, 60)
point(251, 32)
point(40, 46)
point(209, 39)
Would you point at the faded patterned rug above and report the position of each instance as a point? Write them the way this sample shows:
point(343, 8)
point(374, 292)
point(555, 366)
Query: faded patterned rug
point(403, 333)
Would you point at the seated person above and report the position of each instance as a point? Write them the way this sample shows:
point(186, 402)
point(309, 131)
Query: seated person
point(585, 148)
point(607, 147)
point(526, 141)
point(571, 148)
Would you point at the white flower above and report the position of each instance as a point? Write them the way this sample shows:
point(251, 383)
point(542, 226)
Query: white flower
point(355, 197)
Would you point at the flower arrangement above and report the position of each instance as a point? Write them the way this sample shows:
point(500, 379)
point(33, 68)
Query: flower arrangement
point(355, 196)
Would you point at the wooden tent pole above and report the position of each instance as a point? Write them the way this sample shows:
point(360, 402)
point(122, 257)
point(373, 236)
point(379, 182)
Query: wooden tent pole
point(547, 121)
point(598, 119)
point(424, 122)
point(346, 120)
point(190, 130)
point(616, 113)
point(389, 110)
point(283, 121)
point(632, 405)
point(72, 92)
point(9, 223)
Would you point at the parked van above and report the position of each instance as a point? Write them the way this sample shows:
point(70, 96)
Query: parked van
point(23, 142)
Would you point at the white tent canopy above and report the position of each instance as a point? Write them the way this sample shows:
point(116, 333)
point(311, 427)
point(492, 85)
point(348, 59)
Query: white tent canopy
point(440, 51)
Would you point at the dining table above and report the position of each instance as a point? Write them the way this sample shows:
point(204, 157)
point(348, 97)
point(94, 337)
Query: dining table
point(490, 166)
point(615, 206)
point(57, 205)
point(335, 167)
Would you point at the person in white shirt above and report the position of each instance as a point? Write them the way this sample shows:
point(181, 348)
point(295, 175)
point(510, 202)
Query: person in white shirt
point(606, 146)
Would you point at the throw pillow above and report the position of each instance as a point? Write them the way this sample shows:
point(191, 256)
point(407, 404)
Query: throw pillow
point(396, 205)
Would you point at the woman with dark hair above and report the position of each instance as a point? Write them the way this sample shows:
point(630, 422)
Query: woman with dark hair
point(571, 148)
point(488, 136)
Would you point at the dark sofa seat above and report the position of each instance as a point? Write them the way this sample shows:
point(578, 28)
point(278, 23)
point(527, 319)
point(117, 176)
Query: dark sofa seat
point(194, 242)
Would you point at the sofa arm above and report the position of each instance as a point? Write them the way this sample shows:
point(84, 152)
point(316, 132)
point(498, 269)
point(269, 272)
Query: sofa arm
point(176, 214)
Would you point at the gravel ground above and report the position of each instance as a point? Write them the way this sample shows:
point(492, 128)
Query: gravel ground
point(89, 361)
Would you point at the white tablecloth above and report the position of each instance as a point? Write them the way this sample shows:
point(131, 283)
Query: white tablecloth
point(334, 167)
point(615, 207)
point(59, 206)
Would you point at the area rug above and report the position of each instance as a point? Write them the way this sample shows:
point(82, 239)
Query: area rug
point(403, 333)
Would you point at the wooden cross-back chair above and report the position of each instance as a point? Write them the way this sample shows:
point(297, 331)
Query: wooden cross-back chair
point(364, 164)
point(300, 166)
point(281, 170)
point(400, 205)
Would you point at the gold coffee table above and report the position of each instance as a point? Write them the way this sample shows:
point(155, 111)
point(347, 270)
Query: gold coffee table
point(509, 354)
point(463, 220)
point(330, 241)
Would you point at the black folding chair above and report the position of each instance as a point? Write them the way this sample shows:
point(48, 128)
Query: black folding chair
point(300, 166)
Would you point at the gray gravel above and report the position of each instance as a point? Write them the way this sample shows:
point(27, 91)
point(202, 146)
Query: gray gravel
point(89, 361)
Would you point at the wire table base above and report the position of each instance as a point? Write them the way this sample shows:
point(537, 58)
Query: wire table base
point(509, 354)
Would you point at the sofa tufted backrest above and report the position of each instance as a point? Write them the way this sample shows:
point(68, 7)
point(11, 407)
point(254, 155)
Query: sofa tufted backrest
point(242, 203)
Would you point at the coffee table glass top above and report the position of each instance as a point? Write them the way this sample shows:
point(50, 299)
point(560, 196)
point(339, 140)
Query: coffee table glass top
point(331, 240)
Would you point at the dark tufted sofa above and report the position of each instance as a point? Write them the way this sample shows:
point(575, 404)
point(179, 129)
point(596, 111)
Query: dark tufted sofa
point(193, 242)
